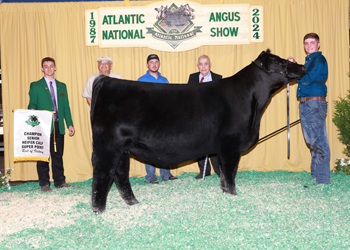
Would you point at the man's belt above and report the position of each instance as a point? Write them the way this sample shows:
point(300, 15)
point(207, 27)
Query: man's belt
point(318, 98)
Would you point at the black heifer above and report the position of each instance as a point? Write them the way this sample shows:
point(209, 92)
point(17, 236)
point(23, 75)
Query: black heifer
point(167, 124)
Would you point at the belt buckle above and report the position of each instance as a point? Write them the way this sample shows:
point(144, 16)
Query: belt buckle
point(302, 99)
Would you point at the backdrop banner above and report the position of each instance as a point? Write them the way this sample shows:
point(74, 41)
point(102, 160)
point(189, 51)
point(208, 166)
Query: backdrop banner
point(32, 135)
point(174, 26)
point(31, 31)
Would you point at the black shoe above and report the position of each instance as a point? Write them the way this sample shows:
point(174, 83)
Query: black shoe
point(306, 186)
point(200, 176)
point(171, 178)
point(65, 185)
point(153, 182)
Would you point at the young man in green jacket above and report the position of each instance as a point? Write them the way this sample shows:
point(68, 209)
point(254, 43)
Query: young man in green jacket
point(50, 94)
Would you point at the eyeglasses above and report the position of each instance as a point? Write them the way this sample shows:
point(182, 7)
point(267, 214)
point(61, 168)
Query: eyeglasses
point(104, 63)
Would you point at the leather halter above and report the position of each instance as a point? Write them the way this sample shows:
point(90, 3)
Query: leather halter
point(284, 72)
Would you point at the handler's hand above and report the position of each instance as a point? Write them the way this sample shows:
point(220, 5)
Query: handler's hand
point(291, 59)
point(71, 131)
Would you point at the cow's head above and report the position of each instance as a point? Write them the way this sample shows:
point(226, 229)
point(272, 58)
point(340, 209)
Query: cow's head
point(274, 64)
point(162, 12)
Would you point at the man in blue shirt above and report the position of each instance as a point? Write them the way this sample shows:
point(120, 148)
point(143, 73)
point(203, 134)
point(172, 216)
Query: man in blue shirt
point(312, 92)
point(153, 75)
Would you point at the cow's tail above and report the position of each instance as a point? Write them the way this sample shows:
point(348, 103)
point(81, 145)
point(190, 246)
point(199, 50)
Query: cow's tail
point(96, 86)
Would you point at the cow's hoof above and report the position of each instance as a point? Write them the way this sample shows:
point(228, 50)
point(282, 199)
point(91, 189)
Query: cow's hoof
point(98, 211)
point(229, 191)
point(132, 202)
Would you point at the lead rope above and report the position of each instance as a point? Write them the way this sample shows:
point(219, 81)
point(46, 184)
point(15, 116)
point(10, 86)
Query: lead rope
point(288, 131)
point(205, 166)
point(288, 125)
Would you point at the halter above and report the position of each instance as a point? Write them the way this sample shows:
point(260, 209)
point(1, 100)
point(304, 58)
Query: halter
point(284, 72)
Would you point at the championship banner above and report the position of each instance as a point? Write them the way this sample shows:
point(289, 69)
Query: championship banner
point(174, 26)
point(32, 129)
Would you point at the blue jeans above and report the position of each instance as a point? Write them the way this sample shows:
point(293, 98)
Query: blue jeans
point(151, 173)
point(313, 122)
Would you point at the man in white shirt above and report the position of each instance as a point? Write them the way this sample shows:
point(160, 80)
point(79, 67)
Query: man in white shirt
point(104, 64)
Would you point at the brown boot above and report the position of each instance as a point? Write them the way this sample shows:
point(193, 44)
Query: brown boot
point(46, 189)
point(65, 185)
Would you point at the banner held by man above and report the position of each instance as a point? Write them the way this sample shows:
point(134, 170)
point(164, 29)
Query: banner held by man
point(32, 135)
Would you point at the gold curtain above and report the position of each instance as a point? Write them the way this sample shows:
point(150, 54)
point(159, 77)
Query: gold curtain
point(31, 31)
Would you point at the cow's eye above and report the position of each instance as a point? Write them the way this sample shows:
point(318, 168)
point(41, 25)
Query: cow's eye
point(278, 63)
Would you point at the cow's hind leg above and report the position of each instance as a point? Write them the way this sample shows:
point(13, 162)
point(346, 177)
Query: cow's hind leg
point(121, 179)
point(104, 164)
point(229, 166)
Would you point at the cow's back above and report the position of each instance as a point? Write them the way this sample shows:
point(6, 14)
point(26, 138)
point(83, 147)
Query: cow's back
point(153, 119)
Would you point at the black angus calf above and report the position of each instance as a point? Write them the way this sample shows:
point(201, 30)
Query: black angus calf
point(167, 124)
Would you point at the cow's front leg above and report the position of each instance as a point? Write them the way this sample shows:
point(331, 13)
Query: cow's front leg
point(121, 179)
point(104, 164)
point(229, 166)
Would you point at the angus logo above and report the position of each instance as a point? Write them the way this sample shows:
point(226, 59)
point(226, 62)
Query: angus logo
point(174, 24)
point(33, 121)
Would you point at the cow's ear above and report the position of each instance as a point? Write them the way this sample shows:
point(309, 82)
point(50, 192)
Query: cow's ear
point(260, 60)
point(260, 63)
